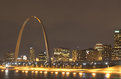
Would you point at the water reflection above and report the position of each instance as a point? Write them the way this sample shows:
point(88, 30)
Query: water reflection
point(6, 74)
point(56, 72)
point(23, 71)
point(45, 73)
point(63, 74)
point(51, 72)
point(84, 75)
point(93, 74)
point(26, 73)
point(16, 71)
point(36, 72)
point(80, 74)
point(32, 71)
point(52, 75)
point(40, 71)
point(74, 74)
point(107, 75)
point(2, 70)
point(67, 74)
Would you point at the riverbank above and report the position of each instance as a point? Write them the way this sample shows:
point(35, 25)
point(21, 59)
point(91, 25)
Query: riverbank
point(114, 69)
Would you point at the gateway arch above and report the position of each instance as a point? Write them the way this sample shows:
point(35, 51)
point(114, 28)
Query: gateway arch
point(21, 32)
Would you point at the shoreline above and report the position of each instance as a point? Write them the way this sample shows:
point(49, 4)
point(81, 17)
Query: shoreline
point(114, 69)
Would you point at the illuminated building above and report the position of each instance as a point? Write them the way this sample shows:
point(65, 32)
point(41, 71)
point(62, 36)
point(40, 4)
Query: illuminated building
point(116, 54)
point(117, 38)
point(92, 55)
point(106, 54)
point(32, 55)
point(61, 54)
point(24, 57)
point(42, 57)
point(99, 48)
point(9, 57)
point(105, 51)
point(74, 55)
point(78, 55)
point(37, 59)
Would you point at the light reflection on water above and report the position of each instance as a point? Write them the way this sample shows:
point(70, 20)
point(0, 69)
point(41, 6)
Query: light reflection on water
point(74, 74)
point(107, 75)
point(11, 74)
point(93, 74)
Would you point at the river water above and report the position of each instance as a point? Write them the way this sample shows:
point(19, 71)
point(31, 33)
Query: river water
point(12, 74)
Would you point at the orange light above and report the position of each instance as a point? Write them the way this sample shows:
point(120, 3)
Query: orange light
point(16, 70)
point(63, 72)
point(40, 71)
point(45, 72)
point(56, 73)
point(93, 74)
point(2, 70)
point(22, 71)
point(80, 74)
point(36, 71)
point(51, 72)
point(26, 71)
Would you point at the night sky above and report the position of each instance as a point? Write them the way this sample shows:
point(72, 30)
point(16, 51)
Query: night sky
point(73, 24)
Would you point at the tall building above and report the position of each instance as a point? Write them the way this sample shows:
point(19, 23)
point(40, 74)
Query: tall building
point(99, 48)
point(32, 55)
point(92, 55)
point(117, 38)
point(107, 52)
point(74, 55)
point(61, 54)
point(116, 54)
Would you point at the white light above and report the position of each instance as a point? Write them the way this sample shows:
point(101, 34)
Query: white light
point(84, 64)
point(6, 65)
point(6, 71)
point(117, 31)
point(87, 52)
point(95, 63)
point(106, 63)
point(24, 57)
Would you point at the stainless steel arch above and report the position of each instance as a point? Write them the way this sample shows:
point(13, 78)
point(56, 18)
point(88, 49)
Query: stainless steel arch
point(20, 36)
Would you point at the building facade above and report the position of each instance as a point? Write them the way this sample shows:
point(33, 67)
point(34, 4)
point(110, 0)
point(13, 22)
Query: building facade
point(61, 54)
point(9, 57)
point(117, 38)
point(32, 54)
point(107, 53)
point(42, 57)
point(116, 54)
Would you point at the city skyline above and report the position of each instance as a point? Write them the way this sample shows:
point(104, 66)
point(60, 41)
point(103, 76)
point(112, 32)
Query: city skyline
point(60, 39)
point(80, 25)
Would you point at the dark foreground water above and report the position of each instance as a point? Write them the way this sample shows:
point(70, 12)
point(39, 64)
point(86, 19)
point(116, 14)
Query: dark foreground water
point(12, 74)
